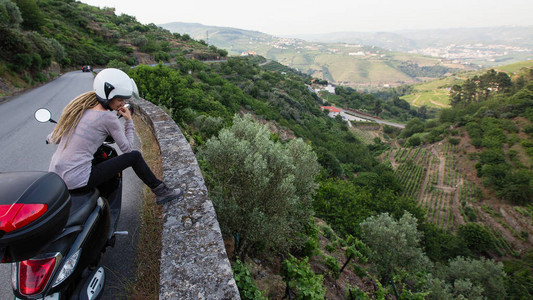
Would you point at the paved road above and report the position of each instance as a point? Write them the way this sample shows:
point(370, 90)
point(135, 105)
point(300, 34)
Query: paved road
point(23, 149)
point(358, 117)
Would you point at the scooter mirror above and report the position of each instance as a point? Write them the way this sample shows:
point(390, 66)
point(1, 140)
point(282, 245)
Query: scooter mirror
point(43, 115)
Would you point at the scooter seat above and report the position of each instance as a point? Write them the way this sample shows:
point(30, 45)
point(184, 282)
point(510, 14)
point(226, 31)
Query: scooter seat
point(83, 203)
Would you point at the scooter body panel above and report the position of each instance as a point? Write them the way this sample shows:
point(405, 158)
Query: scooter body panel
point(91, 237)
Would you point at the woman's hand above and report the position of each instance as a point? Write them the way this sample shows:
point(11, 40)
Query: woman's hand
point(125, 112)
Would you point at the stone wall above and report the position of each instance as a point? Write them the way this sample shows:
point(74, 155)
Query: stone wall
point(194, 263)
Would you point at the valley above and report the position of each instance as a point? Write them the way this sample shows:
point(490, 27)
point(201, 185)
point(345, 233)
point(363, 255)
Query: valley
point(372, 61)
point(441, 174)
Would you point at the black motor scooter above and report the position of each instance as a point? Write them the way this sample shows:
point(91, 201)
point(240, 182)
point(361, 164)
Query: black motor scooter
point(54, 237)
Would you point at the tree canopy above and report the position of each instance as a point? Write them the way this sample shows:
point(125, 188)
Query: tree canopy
point(263, 188)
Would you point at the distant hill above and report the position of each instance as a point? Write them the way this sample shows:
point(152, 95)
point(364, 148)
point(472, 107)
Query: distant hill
point(489, 46)
point(234, 40)
point(413, 39)
point(356, 65)
point(376, 59)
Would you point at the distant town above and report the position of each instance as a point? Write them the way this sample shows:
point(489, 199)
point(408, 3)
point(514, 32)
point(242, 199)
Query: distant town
point(454, 53)
point(465, 53)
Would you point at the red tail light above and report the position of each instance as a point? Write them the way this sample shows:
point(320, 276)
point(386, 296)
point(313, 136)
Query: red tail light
point(17, 215)
point(34, 274)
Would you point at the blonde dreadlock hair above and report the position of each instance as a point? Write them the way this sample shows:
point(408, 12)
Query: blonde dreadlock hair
point(71, 116)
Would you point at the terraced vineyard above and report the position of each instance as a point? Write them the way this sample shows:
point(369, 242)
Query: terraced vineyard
point(434, 176)
point(366, 135)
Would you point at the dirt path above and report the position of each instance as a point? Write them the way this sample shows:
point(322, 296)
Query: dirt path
point(442, 162)
point(446, 189)
point(415, 100)
point(458, 217)
point(438, 104)
point(393, 162)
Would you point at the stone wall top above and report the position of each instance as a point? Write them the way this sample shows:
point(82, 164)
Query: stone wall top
point(194, 263)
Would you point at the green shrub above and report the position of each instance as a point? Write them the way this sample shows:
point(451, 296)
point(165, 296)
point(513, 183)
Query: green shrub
point(161, 56)
point(509, 126)
point(21, 61)
point(470, 214)
point(247, 287)
point(529, 130)
point(454, 141)
point(9, 14)
point(310, 247)
point(519, 279)
point(328, 233)
point(313, 241)
point(302, 280)
point(356, 293)
point(359, 271)
point(477, 237)
point(117, 64)
point(333, 265)
point(40, 77)
point(413, 141)
point(330, 248)
point(474, 278)
point(36, 62)
point(526, 143)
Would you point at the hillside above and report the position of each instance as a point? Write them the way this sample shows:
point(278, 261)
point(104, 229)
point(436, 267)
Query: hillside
point(357, 65)
point(443, 179)
point(435, 93)
point(435, 179)
point(452, 172)
point(40, 39)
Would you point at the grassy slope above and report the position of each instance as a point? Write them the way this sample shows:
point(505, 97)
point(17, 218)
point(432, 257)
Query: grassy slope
point(356, 71)
point(435, 93)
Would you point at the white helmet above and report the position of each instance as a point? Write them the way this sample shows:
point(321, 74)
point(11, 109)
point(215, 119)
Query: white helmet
point(111, 83)
point(135, 92)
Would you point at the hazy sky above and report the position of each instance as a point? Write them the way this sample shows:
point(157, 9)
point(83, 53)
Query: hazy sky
point(285, 17)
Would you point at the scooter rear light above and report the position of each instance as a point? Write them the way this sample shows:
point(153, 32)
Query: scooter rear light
point(18, 215)
point(34, 274)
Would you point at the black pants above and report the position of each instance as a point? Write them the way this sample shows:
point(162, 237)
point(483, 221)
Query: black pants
point(109, 168)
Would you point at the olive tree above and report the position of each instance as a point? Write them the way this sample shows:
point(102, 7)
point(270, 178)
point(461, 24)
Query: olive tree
point(261, 189)
point(394, 244)
point(466, 278)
